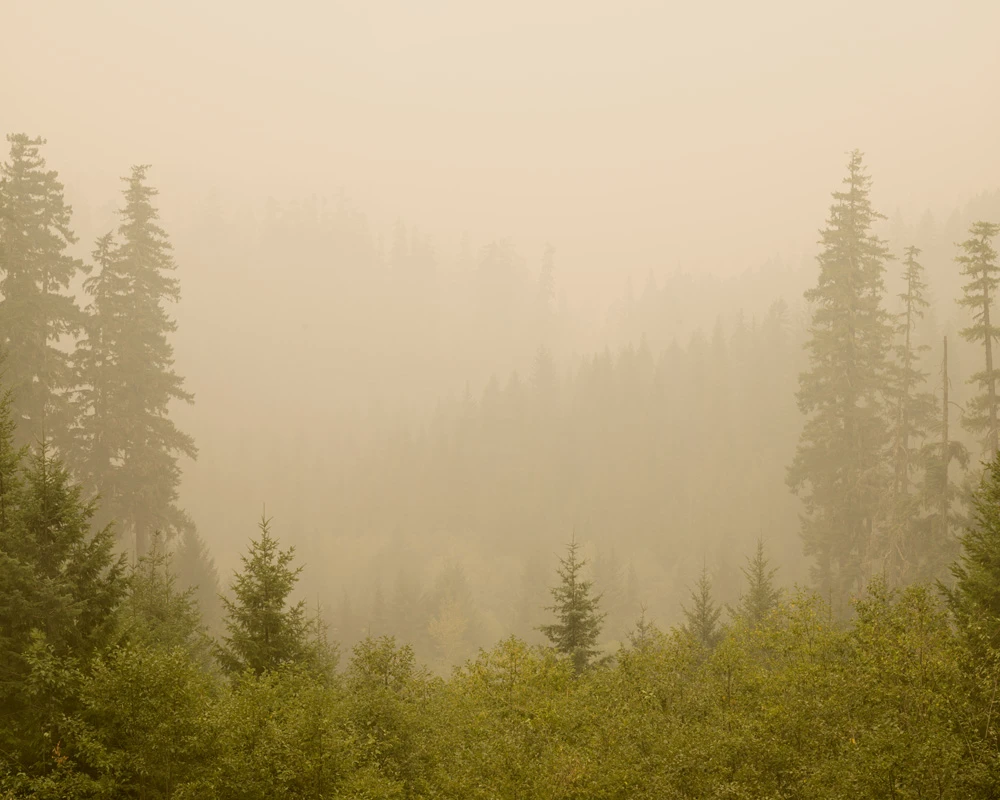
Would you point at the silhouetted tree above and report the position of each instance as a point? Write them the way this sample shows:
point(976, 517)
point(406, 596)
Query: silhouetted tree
point(127, 445)
point(979, 264)
point(35, 310)
point(838, 468)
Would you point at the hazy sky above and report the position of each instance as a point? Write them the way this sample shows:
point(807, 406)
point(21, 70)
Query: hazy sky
point(630, 134)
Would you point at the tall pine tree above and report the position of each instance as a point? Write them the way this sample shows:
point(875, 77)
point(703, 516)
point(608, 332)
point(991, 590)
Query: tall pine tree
point(839, 466)
point(35, 309)
point(127, 446)
point(978, 258)
point(913, 416)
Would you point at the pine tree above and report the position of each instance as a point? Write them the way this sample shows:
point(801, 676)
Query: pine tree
point(35, 310)
point(578, 621)
point(935, 546)
point(60, 587)
point(761, 596)
point(979, 264)
point(975, 596)
point(644, 634)
point(158, 612)
point(11, 459)
point(703, 616)
point(264, 631)
point(127, 446)
point(913, 412)
point(838, 468)
point(195, 570)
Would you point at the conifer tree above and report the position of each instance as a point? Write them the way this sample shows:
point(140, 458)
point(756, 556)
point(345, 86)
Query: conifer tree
point(761, 595)
point(979, 264)
point(703, 616)
point(263, 630)
point(578, 623)
point(913, 416)
point(11, 459)
point(975, 596)
point(935, 546)
point(838, 469)
point(60, 587)
point(35, 310)
point(158, 612)
point(914, 409)
point(195, 570)
point(644, 634)
point(127, 446)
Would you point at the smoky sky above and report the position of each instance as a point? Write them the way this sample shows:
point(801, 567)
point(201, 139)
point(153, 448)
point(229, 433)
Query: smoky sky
point(632, 135)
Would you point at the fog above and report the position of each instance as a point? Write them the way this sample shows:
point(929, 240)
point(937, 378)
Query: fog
point(362, 197)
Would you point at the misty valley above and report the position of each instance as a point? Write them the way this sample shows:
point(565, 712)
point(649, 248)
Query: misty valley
point(536, 401)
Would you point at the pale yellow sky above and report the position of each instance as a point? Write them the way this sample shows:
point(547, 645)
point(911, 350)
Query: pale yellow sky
point(630, 134)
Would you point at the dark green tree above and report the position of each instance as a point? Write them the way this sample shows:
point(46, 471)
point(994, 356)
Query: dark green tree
point(702, 618)
point(60, 587)
point(578, 623)
point(159, 613)
point(839, 466)
point(263, 630)
point(127, 445)
point(975, 596)
point(761, 597)
point(978, 258)
point(35, 309)
point(11, 459)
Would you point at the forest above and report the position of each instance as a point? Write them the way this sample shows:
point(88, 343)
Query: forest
point(499, 400)
point(132, 667)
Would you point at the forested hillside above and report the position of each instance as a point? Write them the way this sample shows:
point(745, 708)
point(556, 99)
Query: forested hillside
point(754, 560)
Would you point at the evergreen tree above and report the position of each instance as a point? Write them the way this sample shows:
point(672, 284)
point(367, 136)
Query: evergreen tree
point(934, 548)
point(761, 596)
point(60, 587)
point(195, 570)
point(644, 634)
point(264, 631)
point(11, 459)
point(913, 412)
point(35, 311)
point(127, 445)
point(578, 621)
point(157, 613)
point(979, 264)
point(703, 616)
point(838, 468)
point(975, 596)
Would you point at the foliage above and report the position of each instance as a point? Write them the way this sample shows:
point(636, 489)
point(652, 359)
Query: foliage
point(263, 631)
point(126, 445)
point(978, 259)
point(578, 623)
point(35, 275)
point(839, 467)
point(761, 596)
point(703, 614)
